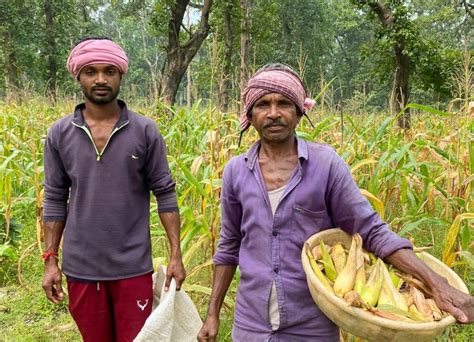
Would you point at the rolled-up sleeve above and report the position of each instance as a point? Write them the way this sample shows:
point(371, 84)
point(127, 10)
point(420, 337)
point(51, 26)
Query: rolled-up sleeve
point(231, 212)
point(158, 173)
point(56, 180)
point(353, 213)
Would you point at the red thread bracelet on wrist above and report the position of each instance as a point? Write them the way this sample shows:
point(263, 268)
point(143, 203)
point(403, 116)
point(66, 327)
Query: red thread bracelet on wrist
point(46, 255)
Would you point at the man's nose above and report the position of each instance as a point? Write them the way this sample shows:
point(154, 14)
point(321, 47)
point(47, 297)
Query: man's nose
point(101, 79)
point(274, 111)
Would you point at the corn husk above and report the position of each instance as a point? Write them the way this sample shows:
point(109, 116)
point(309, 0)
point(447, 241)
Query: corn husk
point(338, 255)
point(329, 268)
point(371, 291)
point(346, 279)
point(322, 278)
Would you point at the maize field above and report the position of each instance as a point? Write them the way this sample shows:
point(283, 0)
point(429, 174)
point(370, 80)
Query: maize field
point(420, 181)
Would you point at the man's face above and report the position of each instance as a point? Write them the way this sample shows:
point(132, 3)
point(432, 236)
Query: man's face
point(100, 83)
point(275, 118)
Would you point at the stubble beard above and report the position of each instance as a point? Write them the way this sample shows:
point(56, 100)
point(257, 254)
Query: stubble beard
point(100, 100)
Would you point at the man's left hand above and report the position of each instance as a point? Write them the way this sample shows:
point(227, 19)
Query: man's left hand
point(175, 270)
point(457, 303)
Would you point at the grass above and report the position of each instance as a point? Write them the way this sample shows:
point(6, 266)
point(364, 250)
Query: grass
point(420, 181)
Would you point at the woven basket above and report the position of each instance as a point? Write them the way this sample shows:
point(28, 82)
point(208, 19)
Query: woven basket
point(364, 324)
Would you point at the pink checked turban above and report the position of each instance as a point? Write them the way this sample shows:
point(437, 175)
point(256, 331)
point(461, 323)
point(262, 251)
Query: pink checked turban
point(95, 51)
point(274, 80)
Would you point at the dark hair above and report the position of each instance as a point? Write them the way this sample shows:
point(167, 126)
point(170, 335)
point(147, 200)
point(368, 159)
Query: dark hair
point(92, 38)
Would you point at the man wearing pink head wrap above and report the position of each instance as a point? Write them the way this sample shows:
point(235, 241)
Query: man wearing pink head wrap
point(274, 197)
point(100, 164)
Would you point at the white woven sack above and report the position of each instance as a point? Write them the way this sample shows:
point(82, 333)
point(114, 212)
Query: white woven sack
point(174, 317)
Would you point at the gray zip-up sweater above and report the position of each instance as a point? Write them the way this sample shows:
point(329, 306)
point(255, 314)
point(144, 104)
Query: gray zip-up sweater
point(104, 197)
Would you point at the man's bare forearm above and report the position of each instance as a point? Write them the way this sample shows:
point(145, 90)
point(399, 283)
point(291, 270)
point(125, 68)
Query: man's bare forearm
point(172, 224)
point(223, 275)
point(406, 261)
point(53, 232)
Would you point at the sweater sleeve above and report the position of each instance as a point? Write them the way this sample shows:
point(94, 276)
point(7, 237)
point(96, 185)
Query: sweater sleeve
point(352, 212)
point(56, 180)
point(231, 211)
point(158, 173)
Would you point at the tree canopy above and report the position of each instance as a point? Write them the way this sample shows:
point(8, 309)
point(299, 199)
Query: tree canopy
point(181, 51)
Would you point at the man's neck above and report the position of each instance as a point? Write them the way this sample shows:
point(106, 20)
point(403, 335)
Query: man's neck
point(279, 150)
point(102, 112)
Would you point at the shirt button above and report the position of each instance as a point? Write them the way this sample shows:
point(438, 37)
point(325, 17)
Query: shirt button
point(275, 233)
point(275, 270)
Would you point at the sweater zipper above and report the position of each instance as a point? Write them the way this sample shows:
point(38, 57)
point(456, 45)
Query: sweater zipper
point(99, 154)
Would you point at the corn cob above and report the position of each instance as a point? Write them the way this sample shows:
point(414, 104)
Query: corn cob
point(371, 291)
point(437, 315)
point(360, 274)
point(421, 304)
point(322, 278)
point(346, 279)
point(338, 256)
point(389, 294)
point(329, 268)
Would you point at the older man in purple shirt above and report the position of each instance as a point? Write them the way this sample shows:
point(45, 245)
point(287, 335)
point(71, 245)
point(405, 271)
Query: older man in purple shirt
point(274, 197)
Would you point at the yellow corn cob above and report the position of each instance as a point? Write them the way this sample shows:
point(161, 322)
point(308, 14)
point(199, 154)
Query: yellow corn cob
point(338, 256)
point(346, 279)
point(371, 291)
point(329, 268)
point(389, 294)
point(322, 278)
point(437, 315)
point(360, 274)
point(420, 317)
point(420, 302)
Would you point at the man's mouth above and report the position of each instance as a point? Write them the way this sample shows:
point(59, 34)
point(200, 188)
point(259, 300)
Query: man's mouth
point(274, 125)
point(100, 90)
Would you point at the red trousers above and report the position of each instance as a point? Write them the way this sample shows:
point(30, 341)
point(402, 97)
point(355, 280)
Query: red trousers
point(111, 310)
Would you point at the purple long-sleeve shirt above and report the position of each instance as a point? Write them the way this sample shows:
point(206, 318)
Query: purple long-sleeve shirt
point(321, 194)
point(104, 196)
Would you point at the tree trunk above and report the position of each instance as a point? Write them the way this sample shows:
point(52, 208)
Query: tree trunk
point(401, 86)
point(244, 44)
point(51, 48)
point(179, 55)
point(401, 89)
point(226, 75)
point(11, 77)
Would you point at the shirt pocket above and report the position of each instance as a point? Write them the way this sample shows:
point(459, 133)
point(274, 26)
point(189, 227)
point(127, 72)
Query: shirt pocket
point(305, 223)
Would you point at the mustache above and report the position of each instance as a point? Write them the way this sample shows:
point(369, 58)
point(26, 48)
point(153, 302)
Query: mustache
point(101, 88)
point(274, 123)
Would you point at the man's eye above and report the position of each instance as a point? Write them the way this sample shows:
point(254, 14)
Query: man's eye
point(260, 104)
point(112, 72)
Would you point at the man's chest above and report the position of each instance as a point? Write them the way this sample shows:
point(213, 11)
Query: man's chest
point(100, 135)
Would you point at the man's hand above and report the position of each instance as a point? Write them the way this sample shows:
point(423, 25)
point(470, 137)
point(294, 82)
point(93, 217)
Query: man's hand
point(449, 299)
point(52, 282)
point(457, 303)
point(175, 270)
point(209, 329)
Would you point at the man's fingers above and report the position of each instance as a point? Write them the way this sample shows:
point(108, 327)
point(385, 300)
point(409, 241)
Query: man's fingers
point(168, 281)
point(59, 291)
point(459, 315)
point(49, 292)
